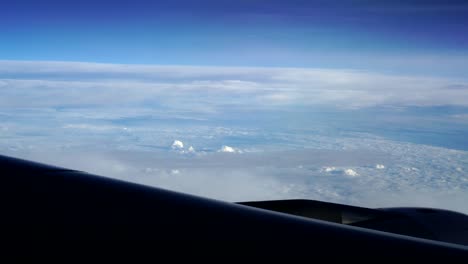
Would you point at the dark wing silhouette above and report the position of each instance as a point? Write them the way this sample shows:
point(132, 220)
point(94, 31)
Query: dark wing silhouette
point(50, 209)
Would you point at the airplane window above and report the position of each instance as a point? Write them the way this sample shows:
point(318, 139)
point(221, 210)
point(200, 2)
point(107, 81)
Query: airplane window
point(352, 102)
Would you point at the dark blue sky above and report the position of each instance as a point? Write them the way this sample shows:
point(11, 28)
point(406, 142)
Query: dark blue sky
point(415, 36)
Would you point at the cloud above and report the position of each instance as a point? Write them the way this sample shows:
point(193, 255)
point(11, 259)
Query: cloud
point(177, 145)
point(339, 171)
point(276, 176)
point(329, 169)
point(380, 166)
point(95, 128)
point(351, 172)
point(77, 84)
point(120, 120)
point(228, 149)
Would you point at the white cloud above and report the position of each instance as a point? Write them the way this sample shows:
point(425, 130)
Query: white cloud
point(351, 172)
point(269, 175)
point(339, 171)
point(58, 84)
point(177, 145)
point(329, 169)
point(380, 166)
point(38, 96)
point(228, 149)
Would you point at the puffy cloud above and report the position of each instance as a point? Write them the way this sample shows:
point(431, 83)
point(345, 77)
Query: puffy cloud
point(228, 149)
point(329, 169)
point(177, 145)
point(351, 172)
point(380, 166)
point(339, 171)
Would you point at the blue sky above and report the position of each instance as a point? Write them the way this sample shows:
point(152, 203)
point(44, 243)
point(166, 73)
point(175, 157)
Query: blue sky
point(420, 37)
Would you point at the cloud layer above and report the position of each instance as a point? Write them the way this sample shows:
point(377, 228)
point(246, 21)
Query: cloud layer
point(75, 84)
point(177, 127)
point(414, 175)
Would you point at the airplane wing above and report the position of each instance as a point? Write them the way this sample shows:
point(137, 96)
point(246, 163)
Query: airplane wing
point(51, 209)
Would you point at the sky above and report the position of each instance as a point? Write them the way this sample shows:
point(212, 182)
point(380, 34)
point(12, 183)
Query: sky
point(422, 37)
point(356, 102)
